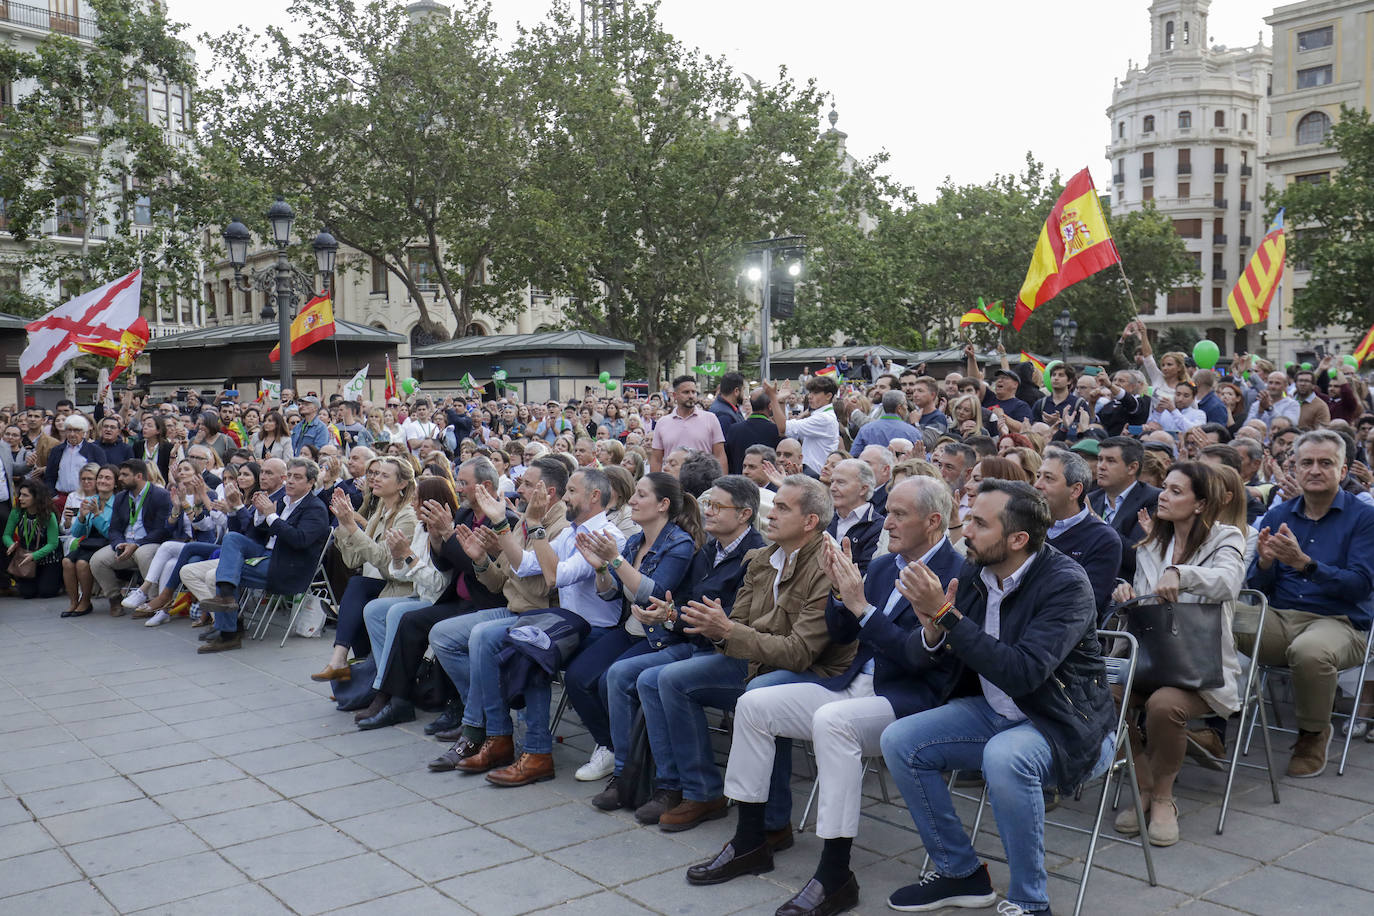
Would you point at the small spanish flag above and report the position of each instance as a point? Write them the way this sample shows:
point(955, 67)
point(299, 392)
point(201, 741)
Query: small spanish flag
point(1254, 290)
point(390, 380)
point(1074, 244)
point(1366, 347)
point(313, 324)
point(1039, 366)
point(829, 371)
point(985, 314)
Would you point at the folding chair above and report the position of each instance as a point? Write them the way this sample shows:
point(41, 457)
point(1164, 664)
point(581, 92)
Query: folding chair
point(318, 583)
point(1265, 685)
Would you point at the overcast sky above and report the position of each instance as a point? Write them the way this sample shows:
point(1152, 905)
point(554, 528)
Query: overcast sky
point(949, 89)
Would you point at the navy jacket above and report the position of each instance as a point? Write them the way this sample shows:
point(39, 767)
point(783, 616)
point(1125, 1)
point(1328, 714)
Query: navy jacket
point(1096, 547)
point(1212, 406)
point(117, 452)
point(90, 450)
point(883, 637)
point(1048, 658)
point(300, 538)
point(756, 430)
point(707, 579)
point(464, 588)
point(1125, 523)
point(863, 537)
point(156, 514)
point(879, 500)
point(355, 497)
point(726, 414)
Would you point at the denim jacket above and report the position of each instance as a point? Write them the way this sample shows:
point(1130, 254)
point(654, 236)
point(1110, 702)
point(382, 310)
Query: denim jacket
point(663, 569)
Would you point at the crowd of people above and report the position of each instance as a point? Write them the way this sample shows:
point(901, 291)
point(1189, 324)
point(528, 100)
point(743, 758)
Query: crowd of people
point(894, 565)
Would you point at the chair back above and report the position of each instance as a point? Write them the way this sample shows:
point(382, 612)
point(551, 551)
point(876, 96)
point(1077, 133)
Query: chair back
point(1120, 672)
point(1250, 608)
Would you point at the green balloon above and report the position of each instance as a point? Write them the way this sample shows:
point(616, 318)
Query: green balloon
point(1332, 372)
point(1288, 364)
point(1307, 367)
point(1206, 354)
point(611, 385)
point(409, 384)
point(604, 377)
point(1350, 360)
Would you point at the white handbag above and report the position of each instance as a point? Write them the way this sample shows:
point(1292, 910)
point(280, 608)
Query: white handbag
point(309, 617)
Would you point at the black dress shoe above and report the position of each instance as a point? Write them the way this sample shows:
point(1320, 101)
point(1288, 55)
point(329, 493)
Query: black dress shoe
point(449, 759)
point(393, 713)
point(448, 720)
point(812, 899)
point(728, 864)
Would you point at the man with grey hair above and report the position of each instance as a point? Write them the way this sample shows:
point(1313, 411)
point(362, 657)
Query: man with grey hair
point(65, 461)
point(881, 460)
point(775, 633)
point(1075, 530)
point(887, 426)
point(844, 716)
point(851, 489)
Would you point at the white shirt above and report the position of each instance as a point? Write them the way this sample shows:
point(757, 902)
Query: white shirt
point(576, 578)
point(779, 560)
point(1058, 528)
point(896, 595)
point(819, 435)
point(1000, 702)
point(69, 469)
point(414, 429)
point(859, 513)
point(287, 505)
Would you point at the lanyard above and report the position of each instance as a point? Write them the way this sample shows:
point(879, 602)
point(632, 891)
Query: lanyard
point(136, 508)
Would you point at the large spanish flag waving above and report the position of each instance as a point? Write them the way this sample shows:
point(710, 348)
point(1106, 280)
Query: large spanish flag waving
point(313, 324)
point(1254, 290)
point(1074, 244)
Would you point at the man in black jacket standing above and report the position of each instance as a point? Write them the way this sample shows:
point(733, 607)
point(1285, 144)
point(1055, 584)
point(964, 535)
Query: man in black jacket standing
point(1017, 663)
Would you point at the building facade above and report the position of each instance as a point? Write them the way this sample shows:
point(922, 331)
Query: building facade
point(1323, 59)
point(1187, 133)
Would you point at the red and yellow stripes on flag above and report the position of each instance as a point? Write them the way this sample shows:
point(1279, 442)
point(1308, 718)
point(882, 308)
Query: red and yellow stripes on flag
point(984, 314)
point(313, 324)
point(390, 380)
point(1074, 244)
point(1250, 298)
point(123, 351)
point(1366, 347)
point(1027, 358)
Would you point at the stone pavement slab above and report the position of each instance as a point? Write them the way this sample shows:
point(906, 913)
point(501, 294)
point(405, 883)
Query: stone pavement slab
point(138, 777)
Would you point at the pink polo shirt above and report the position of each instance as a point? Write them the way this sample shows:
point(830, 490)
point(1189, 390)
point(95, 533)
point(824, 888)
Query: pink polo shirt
point(700, 431)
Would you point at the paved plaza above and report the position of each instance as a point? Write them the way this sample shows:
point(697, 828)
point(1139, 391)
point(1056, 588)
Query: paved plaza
point(137, 776)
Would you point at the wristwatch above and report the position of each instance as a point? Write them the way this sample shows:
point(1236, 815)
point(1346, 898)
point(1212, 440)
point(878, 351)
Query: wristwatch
point(538, 534)
point(616, 563)
point(410, 560)
point(1310, 568)
point(946, 619)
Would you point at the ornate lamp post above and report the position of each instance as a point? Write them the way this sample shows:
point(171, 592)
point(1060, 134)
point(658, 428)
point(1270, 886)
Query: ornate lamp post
point(1065, 330)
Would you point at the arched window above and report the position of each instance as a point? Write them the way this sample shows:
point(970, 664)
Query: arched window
point(1168, 36)
point(1185, 120)
point(1120, 129)
point(1149, 124)
point(1314, 127)
point(1219, 119)
point(475, 329)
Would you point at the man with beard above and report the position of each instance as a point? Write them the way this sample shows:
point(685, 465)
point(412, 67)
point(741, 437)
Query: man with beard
point(688, 426)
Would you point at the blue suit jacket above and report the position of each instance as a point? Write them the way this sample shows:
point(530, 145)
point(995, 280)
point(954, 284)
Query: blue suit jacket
point(300, 538)
point(883, 637)
point(863, 537)
point(157, 510)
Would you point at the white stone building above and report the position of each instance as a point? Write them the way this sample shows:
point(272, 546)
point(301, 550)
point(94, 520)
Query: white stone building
point(1187, 132)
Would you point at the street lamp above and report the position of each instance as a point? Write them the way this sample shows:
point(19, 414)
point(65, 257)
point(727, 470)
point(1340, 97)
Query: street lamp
point(282, 280)
point(1065, 330)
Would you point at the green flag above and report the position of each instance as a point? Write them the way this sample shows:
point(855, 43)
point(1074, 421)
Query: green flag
point(710, 370)
point(467, 381)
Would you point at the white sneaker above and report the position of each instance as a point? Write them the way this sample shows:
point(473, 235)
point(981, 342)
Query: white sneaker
point(158, 619)
point(600, 766)
point(135, 598)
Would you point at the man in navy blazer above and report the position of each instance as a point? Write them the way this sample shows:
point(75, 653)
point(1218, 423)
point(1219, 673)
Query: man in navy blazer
point(75, 451)
point(138, 525)
point(1123, 494)
point(844, 716)
point(294, 529)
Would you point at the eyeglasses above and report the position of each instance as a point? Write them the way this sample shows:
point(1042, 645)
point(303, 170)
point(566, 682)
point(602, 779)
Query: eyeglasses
point(710, 505)
point(200, 458)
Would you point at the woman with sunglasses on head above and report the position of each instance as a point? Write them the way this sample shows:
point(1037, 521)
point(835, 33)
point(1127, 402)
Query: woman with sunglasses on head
point(90, 531)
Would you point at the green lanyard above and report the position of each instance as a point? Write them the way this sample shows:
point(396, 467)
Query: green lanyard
point(136, 508)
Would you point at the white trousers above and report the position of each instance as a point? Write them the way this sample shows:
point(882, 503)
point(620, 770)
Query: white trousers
point(199, 578)
point(844, 726)
point(164, 561)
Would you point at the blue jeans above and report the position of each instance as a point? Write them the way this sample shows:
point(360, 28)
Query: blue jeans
point(622, 689)
point(585, 680)
point(675, 697)
point(451, 641)
point(193, 552)
point(966, 734)
point(232, 573)
point(382, 616)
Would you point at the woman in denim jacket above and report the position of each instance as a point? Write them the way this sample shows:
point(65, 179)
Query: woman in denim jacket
point(653, 563)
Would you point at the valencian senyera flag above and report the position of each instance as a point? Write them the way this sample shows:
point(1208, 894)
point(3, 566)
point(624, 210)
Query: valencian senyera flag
point(313, 324)
point(1254, 290)
point(992, 313)
point(1074, 244)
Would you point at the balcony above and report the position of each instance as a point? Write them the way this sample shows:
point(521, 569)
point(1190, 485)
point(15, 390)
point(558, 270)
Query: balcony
point(1220, 168)
point(38, 17)
point(1245, 242)
point(1219, 239)
point(1246, 206)
point(1220, 203)
point(1246, 171)
point(1185, 168)
point(1119, 178)
point(1147, 172)
point(1219, 276)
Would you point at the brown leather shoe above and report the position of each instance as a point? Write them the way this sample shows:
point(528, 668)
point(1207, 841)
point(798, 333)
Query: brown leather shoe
point(779, 840)
point(224, 643)
point(496, 751)
point(142, 612)
point(528, 769)
point(449, 759)
point(690, 813)
point(1309, 754)
point(117, 608)
point(330, 673)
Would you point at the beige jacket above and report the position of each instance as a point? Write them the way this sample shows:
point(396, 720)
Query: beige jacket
point(366, 548)
point(527, 593)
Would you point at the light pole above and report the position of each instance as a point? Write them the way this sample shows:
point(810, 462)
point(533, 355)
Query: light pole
point(1065, 330)
point(282, 280)
point(791, 249)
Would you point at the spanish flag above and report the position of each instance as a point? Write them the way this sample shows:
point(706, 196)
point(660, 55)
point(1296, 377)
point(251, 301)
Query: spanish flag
point(390, 380)
point(313, 324)
point(1366, 347)
point(984, 314)
point(1074, 244)
point(1254, 290)
point(1039, 366)
point(123, 351)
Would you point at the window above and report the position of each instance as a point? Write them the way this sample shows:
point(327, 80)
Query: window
point(422, 269)
point(157, 105)
point(1185, 161)
point(1149, 125)
point(140, 102)
point(1184, 301)
point(1219, 119)
point(1312, 178)
point(143, 210)
point(70, 215)
point(1186, 30)
point(1147, 192)
point(6, 99)
point(1188, 228)
point(1217, 269)
point(1185, 190)
point(63, 16)
point(1313, 128)
point(177, 101)
point(1168, 36)
point(379, 278)
point(1244, 121)
point(1313, 39)
point(9, 281)
point(1217, 302)
point(226, 295)
point(1314, 76)
point(1185, 120)
point(1120, 129)
point(1218, 228)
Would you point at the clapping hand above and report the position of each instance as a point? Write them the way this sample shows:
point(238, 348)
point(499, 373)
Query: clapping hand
point(341, 507)
point(536, 504)
point(437, 519)
point(263, 504)
point(774, 475)
point(1282, 545)
point(597, 547)
point(487, 503)
point(845, 578)
point(1145, 520)
point(397, 543)
point(706, 618)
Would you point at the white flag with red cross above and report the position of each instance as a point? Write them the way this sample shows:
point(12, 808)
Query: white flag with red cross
point(105, 313)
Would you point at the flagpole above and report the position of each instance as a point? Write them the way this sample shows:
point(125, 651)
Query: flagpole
point(1135, 312)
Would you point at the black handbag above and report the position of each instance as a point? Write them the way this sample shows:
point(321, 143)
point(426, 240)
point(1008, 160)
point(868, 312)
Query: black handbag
point(637, 778)
point(433, 689)
point(1180, 643)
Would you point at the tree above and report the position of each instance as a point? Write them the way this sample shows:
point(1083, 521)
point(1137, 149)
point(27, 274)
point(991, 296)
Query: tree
point(79, 151)
point(404, 137)
point(1333, 232)
point(652, 166)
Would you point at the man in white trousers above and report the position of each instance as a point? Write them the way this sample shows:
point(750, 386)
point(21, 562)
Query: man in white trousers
point(844, 716)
